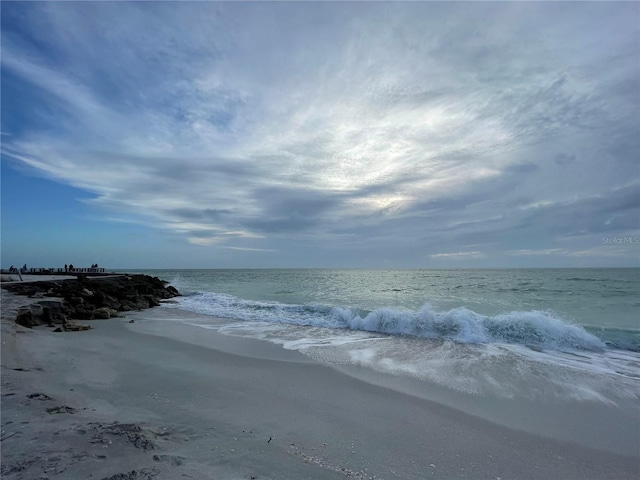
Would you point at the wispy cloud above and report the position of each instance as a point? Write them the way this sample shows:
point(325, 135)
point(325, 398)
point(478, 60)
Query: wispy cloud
point(457, 255)
point(547, 251)
point(390, 126)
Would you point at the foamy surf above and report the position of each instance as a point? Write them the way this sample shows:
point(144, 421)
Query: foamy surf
point(532, 355)
point(535, 328)
point(488, 370)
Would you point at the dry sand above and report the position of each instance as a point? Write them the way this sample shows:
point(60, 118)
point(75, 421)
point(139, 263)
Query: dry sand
point(120, 402)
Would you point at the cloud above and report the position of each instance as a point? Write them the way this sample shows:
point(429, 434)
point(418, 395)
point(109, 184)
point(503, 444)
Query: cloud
point(386, 126)
point(246, 249)
point(617, 210)
point(548, 251)
point(457, 255)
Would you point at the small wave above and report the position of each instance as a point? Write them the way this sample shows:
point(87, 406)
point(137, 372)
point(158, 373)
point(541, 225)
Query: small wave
point(530, 328)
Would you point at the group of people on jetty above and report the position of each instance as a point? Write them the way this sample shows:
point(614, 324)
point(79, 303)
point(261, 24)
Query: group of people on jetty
point(68, 268)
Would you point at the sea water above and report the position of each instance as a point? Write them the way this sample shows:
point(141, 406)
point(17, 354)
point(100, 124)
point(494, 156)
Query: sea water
point(523, 333)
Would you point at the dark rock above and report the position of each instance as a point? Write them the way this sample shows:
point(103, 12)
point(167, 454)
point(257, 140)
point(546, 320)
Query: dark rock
point(111, 302)
point(76, 327)
point(84, 312)
point(36, 309)
point(153, 301)
point(173, 291)
point(45, 312)
point(136, 302)
point(53, 316)
point(102, 313)
point(92, 297)
point(25, 318)
point(54, 312)
point(46, 317)
point(125, 307)
point(98, 298)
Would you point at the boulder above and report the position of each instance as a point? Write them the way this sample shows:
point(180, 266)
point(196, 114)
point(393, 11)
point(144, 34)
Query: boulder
point(54, 312)
point(25, 318)
point(76, 327)
point(172, 291)
point(102, 313)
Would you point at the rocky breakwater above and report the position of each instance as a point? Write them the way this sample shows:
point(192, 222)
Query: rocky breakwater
point(95, 298)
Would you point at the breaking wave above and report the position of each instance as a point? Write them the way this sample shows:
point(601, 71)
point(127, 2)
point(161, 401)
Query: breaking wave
point(537, 329)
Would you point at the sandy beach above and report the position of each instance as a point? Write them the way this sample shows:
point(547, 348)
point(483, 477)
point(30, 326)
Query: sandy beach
point(135, 400)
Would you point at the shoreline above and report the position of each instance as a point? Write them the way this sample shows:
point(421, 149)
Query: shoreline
point(209, 412)
point(593, 424)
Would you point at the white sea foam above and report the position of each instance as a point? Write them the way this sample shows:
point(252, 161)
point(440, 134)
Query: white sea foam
point(518, 354)
point(483, 369)
point(534, 328)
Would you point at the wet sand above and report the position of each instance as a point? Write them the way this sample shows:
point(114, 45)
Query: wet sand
point(121, 399)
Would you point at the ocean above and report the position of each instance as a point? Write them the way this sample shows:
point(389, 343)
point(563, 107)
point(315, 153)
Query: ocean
point(504, 333)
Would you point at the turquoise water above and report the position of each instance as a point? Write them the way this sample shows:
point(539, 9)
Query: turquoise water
point(572, 334)
point(604, 301)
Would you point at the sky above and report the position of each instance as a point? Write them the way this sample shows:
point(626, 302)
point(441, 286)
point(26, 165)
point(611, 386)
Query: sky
point(332, 134)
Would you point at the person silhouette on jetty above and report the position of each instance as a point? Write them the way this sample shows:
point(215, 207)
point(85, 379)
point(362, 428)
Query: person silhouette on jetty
point(66, 268)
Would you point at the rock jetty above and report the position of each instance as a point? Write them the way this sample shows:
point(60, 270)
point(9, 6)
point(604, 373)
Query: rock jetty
point(94, 298)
